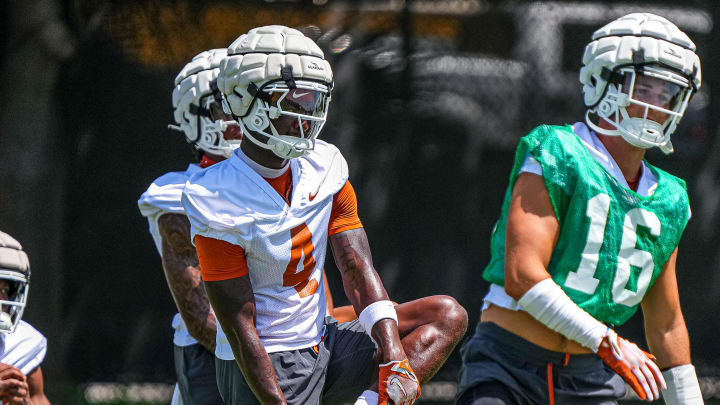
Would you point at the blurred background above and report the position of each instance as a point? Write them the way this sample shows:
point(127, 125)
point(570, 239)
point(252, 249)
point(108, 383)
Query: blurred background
point(431, 98)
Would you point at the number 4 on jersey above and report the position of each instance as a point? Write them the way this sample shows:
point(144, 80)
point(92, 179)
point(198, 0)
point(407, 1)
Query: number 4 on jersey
point(583, 279)
point(301, 239)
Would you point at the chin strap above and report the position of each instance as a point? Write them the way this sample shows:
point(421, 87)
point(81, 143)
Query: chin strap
point(597, 129)
point(282, 146)
point(667, 147)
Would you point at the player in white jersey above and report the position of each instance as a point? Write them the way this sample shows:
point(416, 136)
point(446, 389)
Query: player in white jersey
point(587, 234)
point(261, 221)
point(22, 347)
point(213, 137)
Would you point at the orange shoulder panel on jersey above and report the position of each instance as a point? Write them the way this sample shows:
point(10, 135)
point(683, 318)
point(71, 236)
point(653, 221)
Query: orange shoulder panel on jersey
point(344, 215)
point(220, 260)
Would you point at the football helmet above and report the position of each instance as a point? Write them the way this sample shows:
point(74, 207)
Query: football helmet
point(271, 72)
point(640, 60)
point(194, 94)
point(15, 270)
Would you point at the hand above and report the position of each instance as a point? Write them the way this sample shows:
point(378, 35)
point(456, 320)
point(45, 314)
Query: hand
point(636, 366)
point(13, 385)
point(398, 384)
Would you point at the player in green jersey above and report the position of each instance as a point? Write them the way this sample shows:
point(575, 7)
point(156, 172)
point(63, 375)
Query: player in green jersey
point(588, 232)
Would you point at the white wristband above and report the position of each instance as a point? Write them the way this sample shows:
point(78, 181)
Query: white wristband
point(682, 386)
point(549, 304)
point(376, 311)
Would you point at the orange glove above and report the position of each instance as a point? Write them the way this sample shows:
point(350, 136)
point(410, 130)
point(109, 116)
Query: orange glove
point(636, 366)
point(398, 384)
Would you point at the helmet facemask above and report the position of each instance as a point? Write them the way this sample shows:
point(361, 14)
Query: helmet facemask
point(197, 104)
point(644, 104)
point(306, 102)
point(211, 130)
point(14, 305)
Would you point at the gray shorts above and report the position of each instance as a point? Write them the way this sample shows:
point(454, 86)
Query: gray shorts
point(532, 374)
point(341, 369)
point(195, 369)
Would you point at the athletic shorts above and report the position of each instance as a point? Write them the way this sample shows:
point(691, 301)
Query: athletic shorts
point(531, 375)
point(195, 369)
point(336, 371)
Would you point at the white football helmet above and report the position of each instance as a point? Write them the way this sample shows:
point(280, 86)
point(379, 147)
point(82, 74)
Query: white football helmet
point(195, 92)
point(626, 58)
point(15, 270)
point(271, 72)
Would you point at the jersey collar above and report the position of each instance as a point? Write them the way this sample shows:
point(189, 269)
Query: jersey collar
point(648, 181)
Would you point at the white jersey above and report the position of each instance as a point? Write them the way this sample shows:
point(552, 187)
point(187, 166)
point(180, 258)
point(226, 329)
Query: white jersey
point(25, 348)
point(646, 186)
point(231, 202)
point(162, 197)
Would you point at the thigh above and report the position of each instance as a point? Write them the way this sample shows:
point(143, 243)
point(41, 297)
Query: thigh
point(182, 383)
point(231, 384)
point(200, 375)
point(488, 359)
point(488, 393)
point(301, 374)
point(597, 385)
point(352, 367)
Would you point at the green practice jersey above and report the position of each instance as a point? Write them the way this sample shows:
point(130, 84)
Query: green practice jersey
point(613, 242)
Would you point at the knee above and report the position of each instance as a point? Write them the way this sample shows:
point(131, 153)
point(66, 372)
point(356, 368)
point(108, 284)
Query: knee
point(451, 314)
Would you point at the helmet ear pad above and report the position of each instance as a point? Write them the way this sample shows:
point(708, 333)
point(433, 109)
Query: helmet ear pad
point(274, 113)
point(605, 108)
point(257, 120)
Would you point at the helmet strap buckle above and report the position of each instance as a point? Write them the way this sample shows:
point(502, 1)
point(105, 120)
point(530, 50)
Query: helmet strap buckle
point(286, 74)
point(638, 59)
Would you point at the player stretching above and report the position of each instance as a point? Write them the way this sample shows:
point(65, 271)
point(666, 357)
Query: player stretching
point(22, 347)
point(261, 221)
point(589, 231)
point(213, 137)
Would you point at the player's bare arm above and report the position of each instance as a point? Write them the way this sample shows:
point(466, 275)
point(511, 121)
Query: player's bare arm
point(235, 305)
point(428, 328)
point(363, 287)
point(558, 277)
point(665, 329)
point(532, 232)
point(182, 272)
point(667, 336)
point(36, 385)
point(531, 235)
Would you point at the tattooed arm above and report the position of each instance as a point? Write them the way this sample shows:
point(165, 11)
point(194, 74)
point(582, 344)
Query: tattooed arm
point(182, 271)
point(363, 287)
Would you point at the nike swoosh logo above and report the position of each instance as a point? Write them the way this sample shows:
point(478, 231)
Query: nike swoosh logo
point(312, 196)
point(298, 95)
